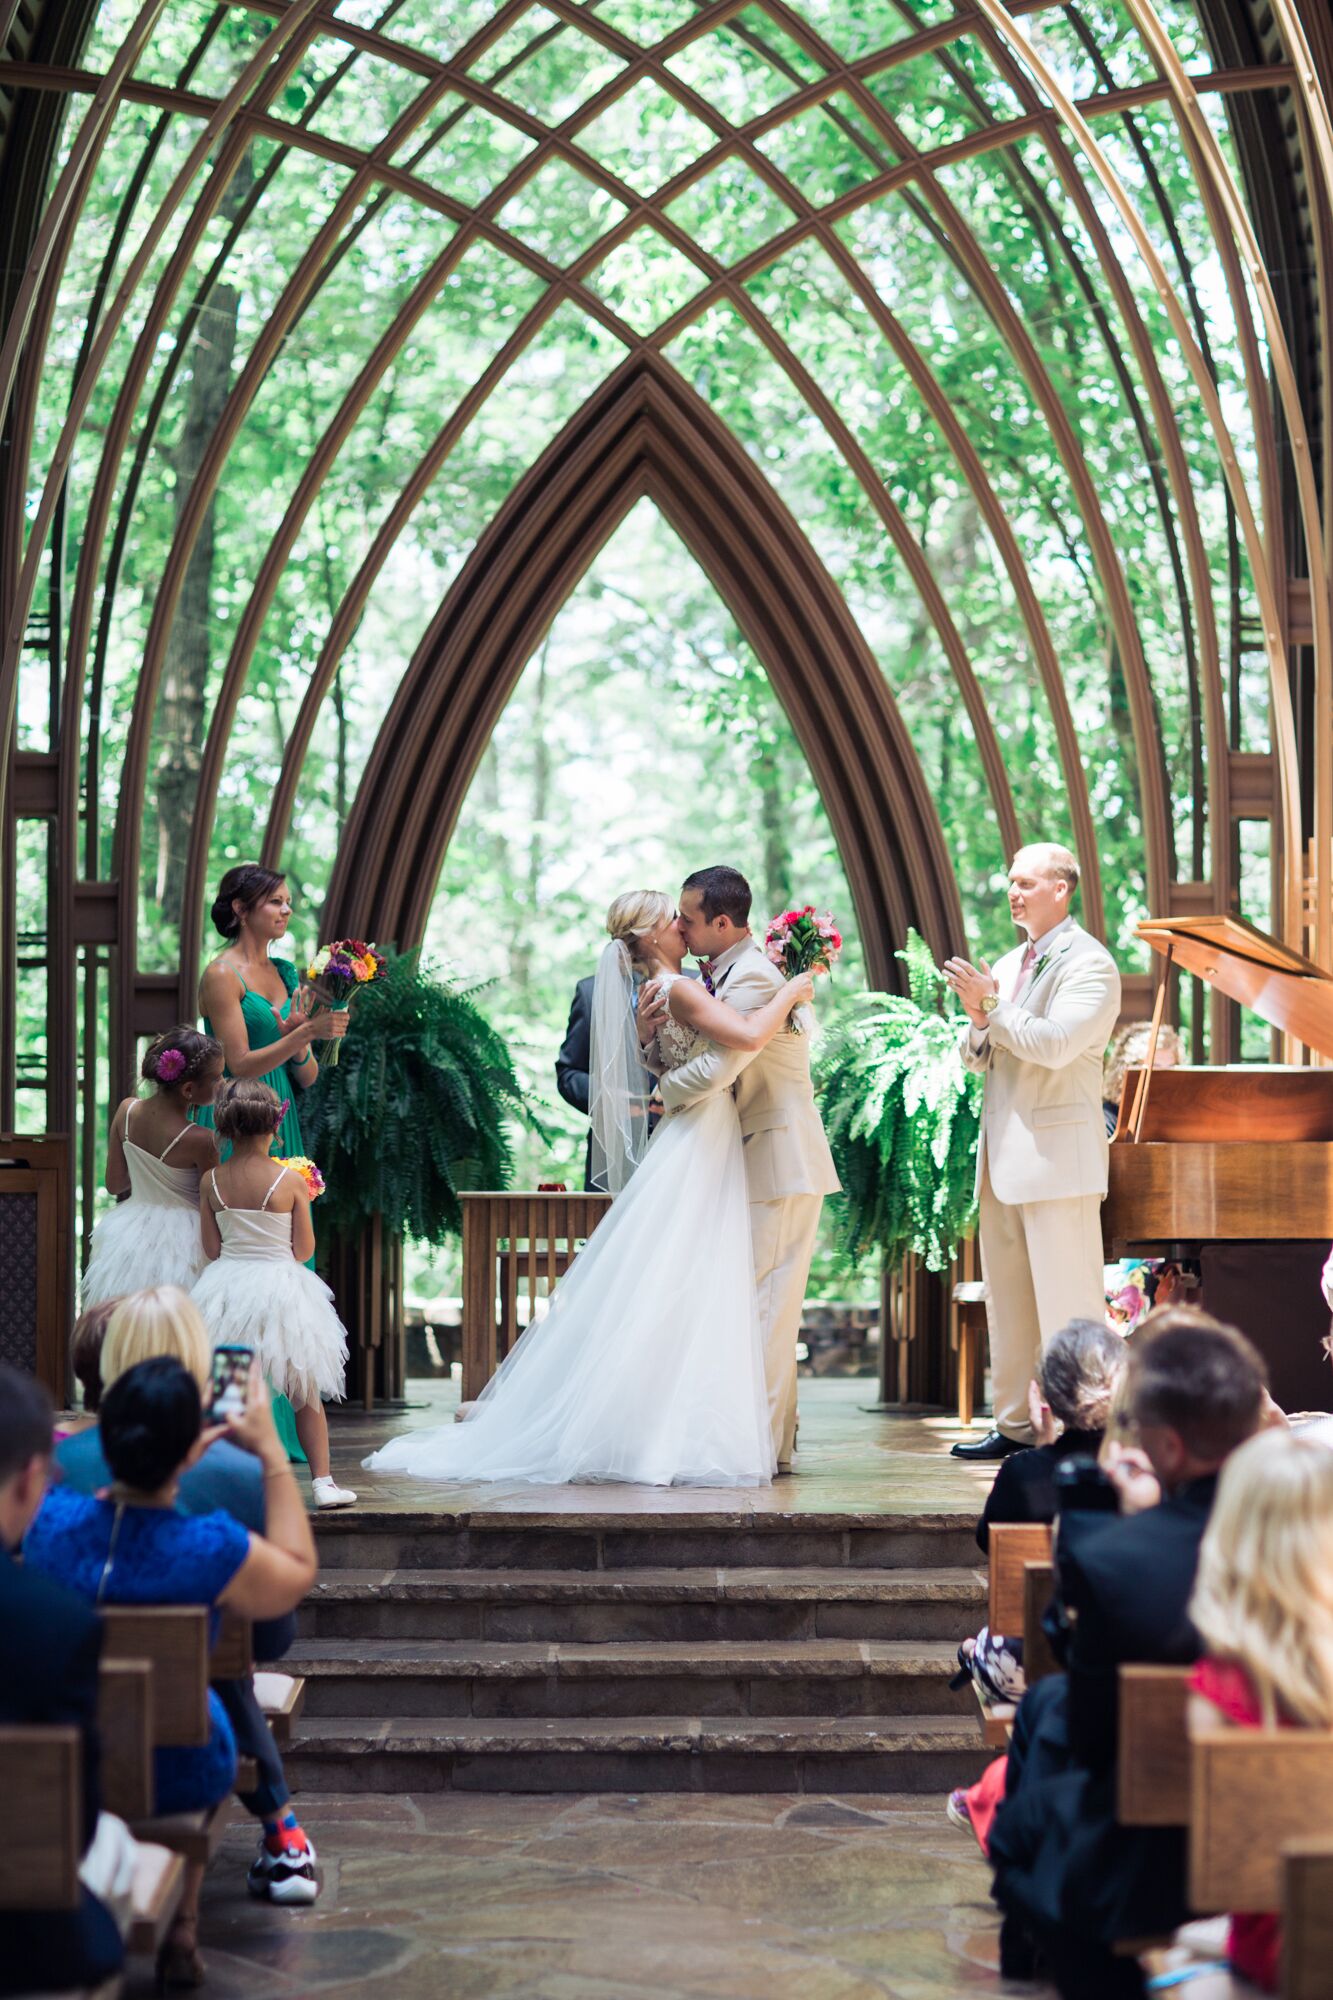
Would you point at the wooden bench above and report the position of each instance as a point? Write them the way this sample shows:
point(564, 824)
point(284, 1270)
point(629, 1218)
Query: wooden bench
point(1152, 1774)
point(41, 1779)
point(173, 1640)
point(1012, 1546)
point(1021, 1577)
point(969, 1326)
point(280, 1696)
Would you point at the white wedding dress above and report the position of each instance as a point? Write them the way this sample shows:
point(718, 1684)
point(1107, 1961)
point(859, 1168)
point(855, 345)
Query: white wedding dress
point(648, 1367)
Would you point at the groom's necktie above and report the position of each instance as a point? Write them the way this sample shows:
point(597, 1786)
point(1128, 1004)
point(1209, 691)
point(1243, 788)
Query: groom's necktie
point(707, 978)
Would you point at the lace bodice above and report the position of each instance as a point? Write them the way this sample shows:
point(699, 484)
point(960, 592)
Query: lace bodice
point(676, 1043)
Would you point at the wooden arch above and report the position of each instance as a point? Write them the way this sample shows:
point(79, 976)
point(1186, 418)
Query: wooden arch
point(646, 433)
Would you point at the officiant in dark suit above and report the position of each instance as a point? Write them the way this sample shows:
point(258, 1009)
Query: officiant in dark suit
point(575, 1057)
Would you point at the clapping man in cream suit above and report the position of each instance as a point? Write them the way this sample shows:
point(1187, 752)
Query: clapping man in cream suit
point(788, 1165)
point(1039, 1025)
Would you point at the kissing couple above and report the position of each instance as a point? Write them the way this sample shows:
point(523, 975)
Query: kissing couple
point(668, 1354)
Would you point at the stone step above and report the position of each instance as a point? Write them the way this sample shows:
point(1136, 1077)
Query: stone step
point(461, 1678)
point(666, 1538)
point(588, 1606)
point(772, 1753)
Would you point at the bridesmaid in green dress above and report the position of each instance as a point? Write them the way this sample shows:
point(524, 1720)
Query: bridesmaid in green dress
point(253, 1005)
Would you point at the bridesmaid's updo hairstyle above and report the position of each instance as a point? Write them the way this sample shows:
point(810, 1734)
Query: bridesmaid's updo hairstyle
point(636, 916)
point(246, 1109)
point(149, 1419)
point(180, 1056)
point(248, 885)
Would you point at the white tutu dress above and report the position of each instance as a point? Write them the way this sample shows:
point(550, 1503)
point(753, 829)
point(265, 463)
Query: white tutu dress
point(648, 1367)
point(151, 1239)
point(257, 1295)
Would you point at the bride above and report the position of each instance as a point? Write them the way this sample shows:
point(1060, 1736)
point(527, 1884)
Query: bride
point(647, 1368)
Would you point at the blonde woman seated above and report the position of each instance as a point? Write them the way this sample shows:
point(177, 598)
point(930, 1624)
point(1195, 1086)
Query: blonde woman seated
point(1263, 1607)
point(649, 1365)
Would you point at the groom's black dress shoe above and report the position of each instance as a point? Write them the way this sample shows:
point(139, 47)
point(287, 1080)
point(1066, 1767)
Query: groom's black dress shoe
point(994, 1445)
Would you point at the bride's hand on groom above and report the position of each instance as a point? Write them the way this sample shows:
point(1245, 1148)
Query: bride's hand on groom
point(652, 1012)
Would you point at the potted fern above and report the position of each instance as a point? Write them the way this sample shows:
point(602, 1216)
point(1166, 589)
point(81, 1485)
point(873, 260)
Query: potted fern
point(902, 1114)
point(415, 1113)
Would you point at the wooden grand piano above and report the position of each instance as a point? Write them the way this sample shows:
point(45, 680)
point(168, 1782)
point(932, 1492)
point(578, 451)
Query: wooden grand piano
point(1234, 1165)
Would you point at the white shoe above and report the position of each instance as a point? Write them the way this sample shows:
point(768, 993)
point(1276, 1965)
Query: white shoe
point(329, 1494)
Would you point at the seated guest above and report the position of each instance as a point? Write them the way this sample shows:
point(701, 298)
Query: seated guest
point(161, 1321)
point(1070, 1880)
point(50, 1645)
point(1068, 1402)
point(133, 1546)
point(1129, 1051)
point(1263, 1607)
point(85, 1362)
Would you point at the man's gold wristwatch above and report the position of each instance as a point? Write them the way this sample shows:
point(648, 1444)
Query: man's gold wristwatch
point(989, 1002)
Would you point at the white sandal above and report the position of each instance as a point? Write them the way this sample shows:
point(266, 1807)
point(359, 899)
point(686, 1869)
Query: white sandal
point(329, 1494)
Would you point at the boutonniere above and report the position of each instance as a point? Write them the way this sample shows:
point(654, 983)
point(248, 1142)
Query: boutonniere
point(1056, 951)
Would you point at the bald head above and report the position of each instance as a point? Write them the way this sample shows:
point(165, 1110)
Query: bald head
point(1042, 881)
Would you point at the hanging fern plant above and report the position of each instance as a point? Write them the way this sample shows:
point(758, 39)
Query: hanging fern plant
point(415, 1112)
point(902, 1116)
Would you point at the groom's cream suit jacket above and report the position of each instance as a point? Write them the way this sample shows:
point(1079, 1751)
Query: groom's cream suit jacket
point(1043, 1134)
point(786, 1152)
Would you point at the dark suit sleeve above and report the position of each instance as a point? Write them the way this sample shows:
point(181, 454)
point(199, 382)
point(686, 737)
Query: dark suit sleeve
point(571, 1065)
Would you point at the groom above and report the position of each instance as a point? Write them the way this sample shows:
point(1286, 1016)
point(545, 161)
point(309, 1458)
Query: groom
point(788, 1165)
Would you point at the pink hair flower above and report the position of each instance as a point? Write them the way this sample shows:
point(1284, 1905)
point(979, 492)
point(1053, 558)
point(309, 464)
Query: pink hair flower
point(281, 1112)
point(170, 1066)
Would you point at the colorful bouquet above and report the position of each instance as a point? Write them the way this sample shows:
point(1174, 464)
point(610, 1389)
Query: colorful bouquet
point(335, 974)
point(308, 1171)
point(802, 941)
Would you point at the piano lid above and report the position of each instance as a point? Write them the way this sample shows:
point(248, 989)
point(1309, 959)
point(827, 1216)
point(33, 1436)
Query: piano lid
point(1279, 985)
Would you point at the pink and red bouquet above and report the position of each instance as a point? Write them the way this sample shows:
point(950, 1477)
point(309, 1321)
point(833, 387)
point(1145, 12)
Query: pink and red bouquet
point(308, 1171)
point(337, 972)
point(803, 941)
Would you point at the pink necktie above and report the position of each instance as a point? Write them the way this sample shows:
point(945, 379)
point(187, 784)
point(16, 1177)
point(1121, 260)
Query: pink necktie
point(1026, 963)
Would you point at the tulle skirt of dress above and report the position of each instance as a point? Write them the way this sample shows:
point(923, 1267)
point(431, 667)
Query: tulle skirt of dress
point(648, 1367)
point(139, 1244)
point(286, 1314)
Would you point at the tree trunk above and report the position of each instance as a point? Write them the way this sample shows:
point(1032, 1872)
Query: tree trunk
point(189, 645)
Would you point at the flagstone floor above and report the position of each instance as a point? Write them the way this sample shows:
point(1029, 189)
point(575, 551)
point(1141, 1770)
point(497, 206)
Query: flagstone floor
point(615, 1898)
point(621, 1897)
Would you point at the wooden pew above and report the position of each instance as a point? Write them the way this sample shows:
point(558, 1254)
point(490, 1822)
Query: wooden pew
point(281, 1696)
point(1152, 1747)
point(1014, 1548)
point(1011, 1546)
point(125, 1724)
point(41, 1777)
point(174, 1640)
point(41, 1781)
point(1038, 1590)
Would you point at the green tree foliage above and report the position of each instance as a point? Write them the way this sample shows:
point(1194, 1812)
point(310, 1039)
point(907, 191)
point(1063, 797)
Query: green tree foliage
point(902, 1117)
point(416, 1111)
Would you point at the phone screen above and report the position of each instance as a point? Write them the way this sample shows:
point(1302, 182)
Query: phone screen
point(229, 1383)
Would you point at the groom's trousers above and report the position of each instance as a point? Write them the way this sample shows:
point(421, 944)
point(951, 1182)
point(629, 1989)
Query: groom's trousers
point(782, 1236)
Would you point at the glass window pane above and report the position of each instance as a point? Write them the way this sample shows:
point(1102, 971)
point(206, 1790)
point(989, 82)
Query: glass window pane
point(547, 67)
point(733, 74)
point(463, 150)
point(857, 27)
point(646, 279)
point(646, 137)
point(730, 211)
point(560, 212)
point(828, 150)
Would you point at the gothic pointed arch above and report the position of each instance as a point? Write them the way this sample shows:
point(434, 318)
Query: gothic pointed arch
point(647, 433)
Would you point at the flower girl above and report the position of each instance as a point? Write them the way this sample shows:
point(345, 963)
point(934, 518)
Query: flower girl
point(255, 1216)
point(158, 1155)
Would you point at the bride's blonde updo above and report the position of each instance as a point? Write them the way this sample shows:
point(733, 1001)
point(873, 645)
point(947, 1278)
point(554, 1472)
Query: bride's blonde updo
point(637, 915)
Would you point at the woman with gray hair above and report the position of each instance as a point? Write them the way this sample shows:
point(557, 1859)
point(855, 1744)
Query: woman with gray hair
point(1069, 1402)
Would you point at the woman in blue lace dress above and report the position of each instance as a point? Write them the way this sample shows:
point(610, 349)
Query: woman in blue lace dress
point(128, 1544)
